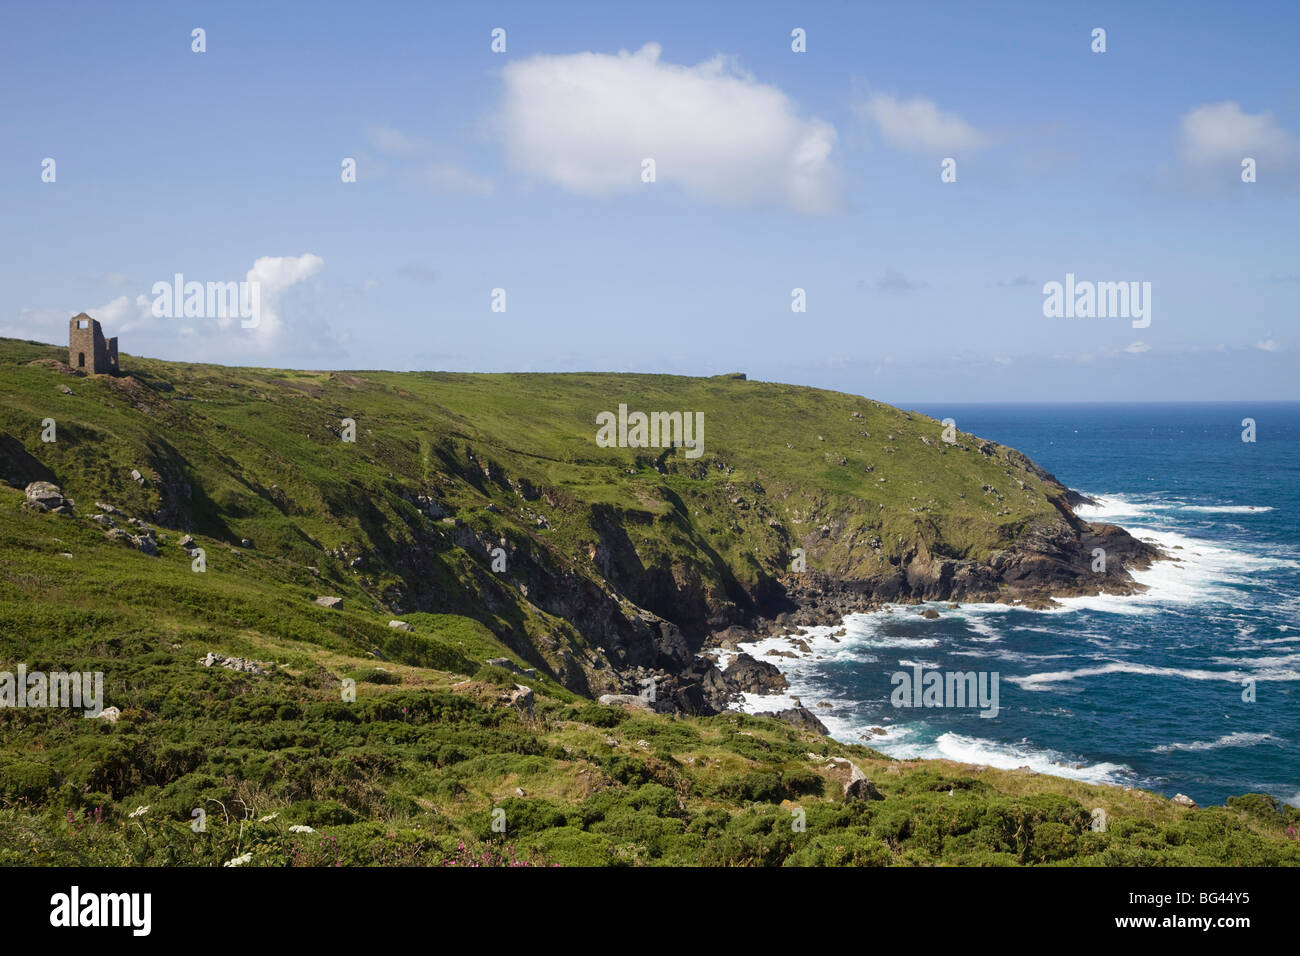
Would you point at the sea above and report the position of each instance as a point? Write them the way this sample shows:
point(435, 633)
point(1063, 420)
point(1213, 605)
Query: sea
point(1192, 687)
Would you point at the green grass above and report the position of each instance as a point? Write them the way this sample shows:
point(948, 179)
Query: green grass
point(411, 771)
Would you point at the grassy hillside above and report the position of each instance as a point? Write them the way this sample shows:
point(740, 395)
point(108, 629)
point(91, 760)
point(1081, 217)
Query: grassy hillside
point(608, 551)
point(447, 467)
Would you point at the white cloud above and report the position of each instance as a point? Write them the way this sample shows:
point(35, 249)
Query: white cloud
point(276, 275)
point(587, 120)
point(1267, 345)
point(1137, 348)
point(918, 124)
point(1221, 133)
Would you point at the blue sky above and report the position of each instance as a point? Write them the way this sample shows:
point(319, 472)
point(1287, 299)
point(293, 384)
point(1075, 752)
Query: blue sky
point(775, 170)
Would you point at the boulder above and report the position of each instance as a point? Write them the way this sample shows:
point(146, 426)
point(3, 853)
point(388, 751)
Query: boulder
point(929, 614)
point(46, 496)
point(626, 701)
point(752, 676)
point(803, 718)
point(188, 543)
point(333, 603)
point(400, 625)
point(1183, 800)
point(862, 789)
point(522, 699)
point(729, 638)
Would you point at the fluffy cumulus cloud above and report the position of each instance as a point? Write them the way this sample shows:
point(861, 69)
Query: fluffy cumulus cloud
point(586, 121)
point(1221, 133)
point(917, 124)
point(224, 336)
point(274, 276)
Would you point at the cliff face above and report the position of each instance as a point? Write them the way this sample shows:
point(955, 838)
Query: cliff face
point(492, 497)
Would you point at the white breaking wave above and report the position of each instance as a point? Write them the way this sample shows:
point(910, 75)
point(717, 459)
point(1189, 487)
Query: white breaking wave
point(976, 750)
point(1226, 509)
point(1044, 680)
point(1197, 572)
point(1114, 506)
point(1239, 739)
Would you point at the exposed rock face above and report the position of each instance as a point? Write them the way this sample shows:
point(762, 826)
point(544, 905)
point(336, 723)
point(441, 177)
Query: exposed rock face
point(802, 718)
point(862, 789)
point(752, 676)
point(626, 701)
point(46, 496)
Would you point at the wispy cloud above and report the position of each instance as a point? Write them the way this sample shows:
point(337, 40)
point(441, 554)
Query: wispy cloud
point(1222, 133)
point(918, 125)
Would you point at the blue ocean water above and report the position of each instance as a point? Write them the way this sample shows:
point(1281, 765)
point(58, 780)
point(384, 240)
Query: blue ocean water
point(1145, 691)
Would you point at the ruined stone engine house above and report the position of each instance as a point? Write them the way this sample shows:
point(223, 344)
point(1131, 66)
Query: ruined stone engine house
point(88, 350)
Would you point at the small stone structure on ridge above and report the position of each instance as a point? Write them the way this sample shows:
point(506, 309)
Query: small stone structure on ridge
point(88, 350)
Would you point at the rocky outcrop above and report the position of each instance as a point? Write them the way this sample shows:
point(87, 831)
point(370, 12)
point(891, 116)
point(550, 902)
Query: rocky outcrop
point(243, 664)
point(803, 718)
point(47, 496)
point(626, 701)
point(752, 676)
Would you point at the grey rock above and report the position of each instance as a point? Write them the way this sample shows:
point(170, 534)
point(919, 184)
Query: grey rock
point(752, 676)
point(861, 788)
point(333, 603)
point(626, 701)
point(47, 496)
point(802, 718)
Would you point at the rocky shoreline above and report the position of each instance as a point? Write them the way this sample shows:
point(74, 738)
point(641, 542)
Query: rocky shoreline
point(1042, 568)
